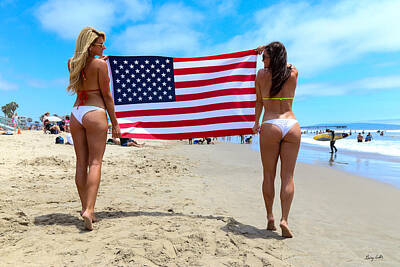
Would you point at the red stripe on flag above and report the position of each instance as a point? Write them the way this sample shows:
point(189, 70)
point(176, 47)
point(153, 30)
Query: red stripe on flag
point(223, 56)
point(223, 92)
point(175, 136)
point(233, 78)
point(182, 123)
point(185, 110)
point(209, 69)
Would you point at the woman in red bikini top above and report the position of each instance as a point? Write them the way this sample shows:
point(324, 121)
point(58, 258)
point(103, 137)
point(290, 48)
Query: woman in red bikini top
point(89, 80)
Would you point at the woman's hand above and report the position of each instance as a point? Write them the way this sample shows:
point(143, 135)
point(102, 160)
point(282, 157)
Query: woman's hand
point(260, 49)
point(256, 128)
point(116, 131)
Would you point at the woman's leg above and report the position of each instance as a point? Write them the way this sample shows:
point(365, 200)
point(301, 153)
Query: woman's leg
point(270, 138)
point(95, 123)
point(289, 150)
point(82, 158)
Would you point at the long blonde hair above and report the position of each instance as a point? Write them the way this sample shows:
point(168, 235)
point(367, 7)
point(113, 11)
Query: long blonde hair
point(86, 38)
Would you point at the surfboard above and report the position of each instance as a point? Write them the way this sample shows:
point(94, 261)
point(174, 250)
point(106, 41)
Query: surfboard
point(328, 136)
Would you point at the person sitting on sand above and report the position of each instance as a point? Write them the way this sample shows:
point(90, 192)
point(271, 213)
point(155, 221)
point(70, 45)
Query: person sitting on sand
point(198, 141)
point(279, 132)
point(208, 140)
point(45, 121)
point(46, 125)
point(54, 129)
point(126, 142)
point(90, 81)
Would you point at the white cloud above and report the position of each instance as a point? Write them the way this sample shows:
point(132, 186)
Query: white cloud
point(170, 32)
point(325, 35)
point(223, 7)
point(67, 18)
point(365, 85)
point(7, 86)
point(227, 6)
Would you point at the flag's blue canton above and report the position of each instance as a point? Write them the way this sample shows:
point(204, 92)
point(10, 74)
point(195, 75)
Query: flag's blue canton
point(142, 79)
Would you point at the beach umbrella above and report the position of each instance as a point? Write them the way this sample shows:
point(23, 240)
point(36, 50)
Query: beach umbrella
point(53, 118)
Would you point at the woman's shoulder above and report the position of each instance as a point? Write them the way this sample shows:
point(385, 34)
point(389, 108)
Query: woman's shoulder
point(263, 73)
point(99, 64)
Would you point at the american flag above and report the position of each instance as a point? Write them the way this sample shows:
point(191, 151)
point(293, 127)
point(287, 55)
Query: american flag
point(178, 98)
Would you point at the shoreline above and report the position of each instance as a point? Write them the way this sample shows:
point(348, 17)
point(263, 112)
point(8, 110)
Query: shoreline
point(170, 203)
point(382, 168)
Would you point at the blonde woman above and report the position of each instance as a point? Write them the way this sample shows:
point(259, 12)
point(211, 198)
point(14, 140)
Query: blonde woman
point(89, 80)
point(279, 132)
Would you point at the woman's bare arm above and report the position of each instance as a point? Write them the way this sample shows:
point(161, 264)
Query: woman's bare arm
point(108, 100)
point(259, 104)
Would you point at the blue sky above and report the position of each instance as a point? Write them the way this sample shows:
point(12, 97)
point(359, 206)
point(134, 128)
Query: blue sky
point(347, 52)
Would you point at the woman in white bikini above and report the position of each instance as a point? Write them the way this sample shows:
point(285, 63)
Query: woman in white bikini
point(279, 132)
point(89, 80)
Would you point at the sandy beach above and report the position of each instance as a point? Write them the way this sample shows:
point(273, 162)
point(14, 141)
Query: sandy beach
point(174, 204)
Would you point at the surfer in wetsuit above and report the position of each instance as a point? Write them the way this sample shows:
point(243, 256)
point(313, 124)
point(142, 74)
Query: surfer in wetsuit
point(332, 143)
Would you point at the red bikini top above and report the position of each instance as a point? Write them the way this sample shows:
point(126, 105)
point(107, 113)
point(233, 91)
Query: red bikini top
point(82, 94)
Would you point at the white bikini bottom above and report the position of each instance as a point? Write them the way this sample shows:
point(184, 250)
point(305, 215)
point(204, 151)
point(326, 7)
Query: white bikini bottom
point(80, 111)
point(284, 124)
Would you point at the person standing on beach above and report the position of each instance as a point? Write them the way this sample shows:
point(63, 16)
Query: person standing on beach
point(14, 121)
point(332, 142)
point(279, 132)
point(89, 80)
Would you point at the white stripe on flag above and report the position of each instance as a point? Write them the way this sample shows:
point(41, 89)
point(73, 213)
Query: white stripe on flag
point(188, 129)
point(213, 87)
point(189, 116)
point(185, 104)
point(206, 76)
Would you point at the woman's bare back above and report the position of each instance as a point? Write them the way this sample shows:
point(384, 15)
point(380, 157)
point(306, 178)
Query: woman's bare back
point(275, 108)
point(91, 86)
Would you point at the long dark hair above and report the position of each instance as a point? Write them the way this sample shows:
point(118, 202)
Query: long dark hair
point(278, 66)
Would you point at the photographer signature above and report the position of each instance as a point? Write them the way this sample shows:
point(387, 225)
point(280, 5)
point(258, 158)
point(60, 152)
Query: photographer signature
point(372, 258)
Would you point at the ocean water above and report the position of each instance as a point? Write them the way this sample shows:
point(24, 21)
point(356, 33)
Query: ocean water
point(388, 144)
point(378, 159)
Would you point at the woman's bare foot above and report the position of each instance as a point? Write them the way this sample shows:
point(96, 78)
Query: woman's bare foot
point(285, 229)
point(88, 221)
point(94, 218)
point(271, 225)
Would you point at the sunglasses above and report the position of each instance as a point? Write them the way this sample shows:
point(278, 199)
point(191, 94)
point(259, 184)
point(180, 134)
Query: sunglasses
point(99, 44)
